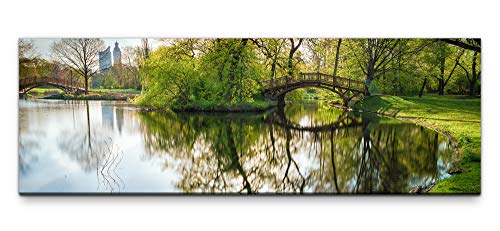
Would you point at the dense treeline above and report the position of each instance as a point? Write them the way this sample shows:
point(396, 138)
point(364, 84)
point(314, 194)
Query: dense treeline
point(119, 76)
point(211, 74)
point(32, 65)
point(200, 73)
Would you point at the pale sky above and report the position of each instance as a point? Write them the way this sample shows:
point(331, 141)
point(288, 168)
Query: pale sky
point(42, 45)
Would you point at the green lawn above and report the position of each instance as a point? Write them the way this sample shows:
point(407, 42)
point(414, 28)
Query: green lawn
point(43, 90)
point(458, 115)
point(125, 91)
point(40, 91)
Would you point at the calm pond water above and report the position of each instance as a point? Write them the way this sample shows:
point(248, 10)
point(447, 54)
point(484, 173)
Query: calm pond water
point(112, 147)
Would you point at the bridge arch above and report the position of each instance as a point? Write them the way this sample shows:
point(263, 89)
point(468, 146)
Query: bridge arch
point(27, 84)
point(293, 87)
point(26, 90)
point(344, 121)
point(346, 88)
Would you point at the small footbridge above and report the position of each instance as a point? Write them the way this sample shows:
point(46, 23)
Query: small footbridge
point(67, 85)
point(346, 88)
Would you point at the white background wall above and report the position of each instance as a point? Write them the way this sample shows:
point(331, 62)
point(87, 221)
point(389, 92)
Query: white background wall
point(256, 18)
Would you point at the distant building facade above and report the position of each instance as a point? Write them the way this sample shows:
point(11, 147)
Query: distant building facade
point(105, 60)
point(117, 54)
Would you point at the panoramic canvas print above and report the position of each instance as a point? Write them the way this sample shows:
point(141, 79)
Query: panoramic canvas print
point(278, 116)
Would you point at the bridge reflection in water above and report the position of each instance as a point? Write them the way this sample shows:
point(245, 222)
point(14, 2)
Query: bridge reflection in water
point(98, 147)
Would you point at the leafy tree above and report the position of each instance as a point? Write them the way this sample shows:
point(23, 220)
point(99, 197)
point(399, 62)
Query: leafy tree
point(374, 55)
point(27, 59)
point(405, 73)
point(294, 46)
point(32, 65)
point(228, 72)
point(474, 73)
point(444, 59)
point(469, 44)
point(339, 42)
point(232, 67)
point(272, 50)
point(167, 82)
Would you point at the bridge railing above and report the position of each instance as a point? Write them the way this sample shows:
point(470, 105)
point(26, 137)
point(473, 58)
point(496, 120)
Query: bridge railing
point(26, 82)
point(276, 82)
point(317, 77)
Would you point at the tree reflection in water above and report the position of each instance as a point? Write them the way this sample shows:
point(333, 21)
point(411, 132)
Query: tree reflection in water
point(303, 149)
point(93, 150)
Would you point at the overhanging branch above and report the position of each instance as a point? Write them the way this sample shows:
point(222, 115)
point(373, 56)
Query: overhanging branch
point(462, 44)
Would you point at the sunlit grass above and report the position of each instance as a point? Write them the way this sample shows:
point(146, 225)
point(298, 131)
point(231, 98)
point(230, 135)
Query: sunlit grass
point(125, 91)
point(459, 115)
point(43, 91)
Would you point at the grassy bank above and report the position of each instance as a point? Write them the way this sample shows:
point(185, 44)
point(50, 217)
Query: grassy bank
point(93, 96)
point(207, 106)
point(43, 91)
point(40, 92)
point(256, 105)
point(124, 91)
point(458, 115)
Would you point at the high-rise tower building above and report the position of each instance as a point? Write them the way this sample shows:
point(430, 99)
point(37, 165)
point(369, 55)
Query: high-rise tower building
point(117, 54)
point(105, 60)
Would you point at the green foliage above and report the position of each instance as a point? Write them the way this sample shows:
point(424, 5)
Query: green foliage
point(35, 67)
point(118, 76)
point(233, 67)
point(168, 82)
point(226, 74)
point(189, 72)
point(296, 95)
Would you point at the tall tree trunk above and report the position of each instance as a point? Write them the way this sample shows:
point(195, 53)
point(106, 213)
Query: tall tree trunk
point(234, 65)
point(441, 76)
point(293, 49)
point(472, 80)
point(444, 81)
point(472, 85)
point(273, 69)
point(423, 87)
point(440, 87)
point(337, 58)
point(472, 88)
point(86, 77)
point(290, 63)
point(370, 75)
